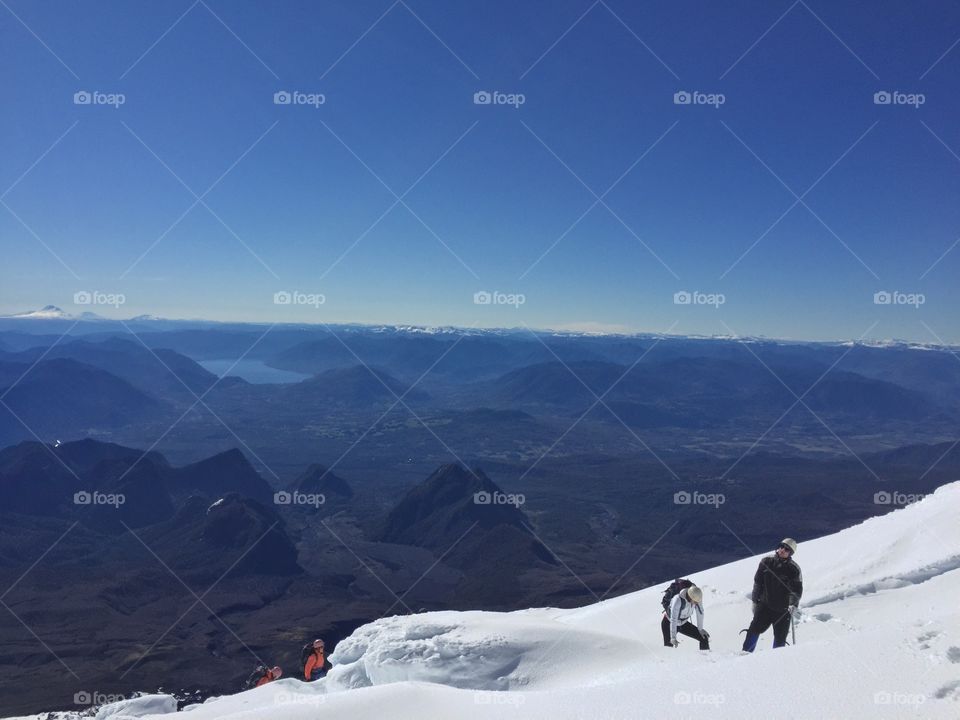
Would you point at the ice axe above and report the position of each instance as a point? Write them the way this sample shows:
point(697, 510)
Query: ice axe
point(793, 629)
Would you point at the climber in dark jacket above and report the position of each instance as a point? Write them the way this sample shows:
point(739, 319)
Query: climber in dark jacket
point(777, 587)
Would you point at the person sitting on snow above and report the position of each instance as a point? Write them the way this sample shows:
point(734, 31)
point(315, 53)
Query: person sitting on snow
point(777, 587)
point(261, 675)
point(272, 674)
point(677, 619)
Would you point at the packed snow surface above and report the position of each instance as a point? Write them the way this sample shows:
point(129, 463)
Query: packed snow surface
point(878, 637)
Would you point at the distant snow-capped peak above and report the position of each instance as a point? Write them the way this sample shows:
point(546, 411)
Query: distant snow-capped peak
point(47, 312)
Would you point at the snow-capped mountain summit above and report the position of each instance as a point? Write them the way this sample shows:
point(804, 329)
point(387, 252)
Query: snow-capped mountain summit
point(47, 312)
point(875, 639)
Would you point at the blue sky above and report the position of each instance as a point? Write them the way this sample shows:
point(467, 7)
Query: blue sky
point(692, 197)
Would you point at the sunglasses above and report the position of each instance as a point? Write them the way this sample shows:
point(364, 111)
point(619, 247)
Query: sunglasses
point(785, 547)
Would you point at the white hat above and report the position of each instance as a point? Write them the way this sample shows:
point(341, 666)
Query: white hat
point(790, 543)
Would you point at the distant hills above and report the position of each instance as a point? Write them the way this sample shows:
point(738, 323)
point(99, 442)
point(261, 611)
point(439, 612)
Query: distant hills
point(477, 527)
point(233, 532)
point(451, 501)
point(45, 480)
point(158, 371)
point(76, 387)
point(493, 394)
point(49, 396)
point(695, 392)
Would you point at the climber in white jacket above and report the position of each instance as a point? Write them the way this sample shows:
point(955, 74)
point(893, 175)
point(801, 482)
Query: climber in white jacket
point(684, 604)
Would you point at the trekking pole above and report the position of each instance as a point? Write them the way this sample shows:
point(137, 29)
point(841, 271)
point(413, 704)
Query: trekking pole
point(793, 631)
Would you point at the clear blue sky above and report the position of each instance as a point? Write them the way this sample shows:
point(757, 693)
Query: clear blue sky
point(98, 189)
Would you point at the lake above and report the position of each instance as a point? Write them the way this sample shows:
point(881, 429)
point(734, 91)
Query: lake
point(253, 371)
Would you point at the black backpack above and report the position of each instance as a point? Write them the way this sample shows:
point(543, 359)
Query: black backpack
point(672, 590)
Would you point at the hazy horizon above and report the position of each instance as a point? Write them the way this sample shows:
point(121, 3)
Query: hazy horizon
point(585, 329)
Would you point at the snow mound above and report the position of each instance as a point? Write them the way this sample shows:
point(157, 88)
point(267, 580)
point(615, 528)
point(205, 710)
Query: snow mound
point(473, 650)
point(138, 707)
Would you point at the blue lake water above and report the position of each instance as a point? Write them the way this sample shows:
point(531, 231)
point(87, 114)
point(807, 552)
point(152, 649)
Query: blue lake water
point(253, 371)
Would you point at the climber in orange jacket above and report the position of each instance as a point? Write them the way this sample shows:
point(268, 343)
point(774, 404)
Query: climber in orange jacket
point(315, 663)
point(269, 675)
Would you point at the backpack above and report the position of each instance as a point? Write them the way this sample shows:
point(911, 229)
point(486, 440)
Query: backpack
point(255, 676)
point(672, 590)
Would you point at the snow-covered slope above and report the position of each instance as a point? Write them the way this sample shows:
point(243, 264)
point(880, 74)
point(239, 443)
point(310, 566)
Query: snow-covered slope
point(878, 638)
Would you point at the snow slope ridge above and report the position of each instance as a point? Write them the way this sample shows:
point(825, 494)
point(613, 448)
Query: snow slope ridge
point(877, 638)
